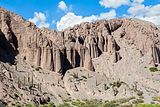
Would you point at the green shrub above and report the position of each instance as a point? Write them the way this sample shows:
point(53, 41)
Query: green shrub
point(65, 104)
point(48, 105)
point(123, 100)
point(137, 101)
point(148, 105)
point(110, 105)
point(45, 105)
point(30, 105)
point(78, 103)
point(153, 69)
point(157, 98)
point(117, 83)
point(74, 75)
point(18, 104)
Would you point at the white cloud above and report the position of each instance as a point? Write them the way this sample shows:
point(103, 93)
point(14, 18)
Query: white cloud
point(138, 1)
point(113, 3)
point(137, 9)
point(67, 20)
point(70, 19)
point(153, 19)
point(140, 9)
point(118, 3)
point(40, 20)
point(148, 13)
point(62, 5)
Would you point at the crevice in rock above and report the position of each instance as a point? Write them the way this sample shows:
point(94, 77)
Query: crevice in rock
point(8, 51)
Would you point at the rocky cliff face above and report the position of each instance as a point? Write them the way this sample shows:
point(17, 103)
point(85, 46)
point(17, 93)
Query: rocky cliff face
point(130, 45)
point(59, 51)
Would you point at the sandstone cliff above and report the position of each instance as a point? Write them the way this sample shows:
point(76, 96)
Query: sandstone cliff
point(118, 49)
point(59, 51)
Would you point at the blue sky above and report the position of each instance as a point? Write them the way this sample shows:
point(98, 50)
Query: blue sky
point(59, 14)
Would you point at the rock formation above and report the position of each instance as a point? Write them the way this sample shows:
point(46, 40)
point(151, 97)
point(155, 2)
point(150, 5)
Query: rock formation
point(37, 46)
point(111, 48)
point(88, 61)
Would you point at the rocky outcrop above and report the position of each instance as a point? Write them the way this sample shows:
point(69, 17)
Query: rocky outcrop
point(58, 63)
point(88, 61)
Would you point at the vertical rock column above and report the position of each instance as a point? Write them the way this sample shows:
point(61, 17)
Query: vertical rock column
point(155, 55)
point(105, 43)
point(112, 49)
point(115, 56)
point(87, 43)
point(82, 56)
point(38, 57)
point(105, 34)
point(30, 56)
point(73, 57)
point(94, 49)
point(88, 61)
point(100, 42)
point(78, 57)
point(58, 64)
point(49, 59)
point(68, 52)
point(111, 44)
point(44, 58)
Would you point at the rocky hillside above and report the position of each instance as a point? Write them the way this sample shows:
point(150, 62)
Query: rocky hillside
point(104, 60)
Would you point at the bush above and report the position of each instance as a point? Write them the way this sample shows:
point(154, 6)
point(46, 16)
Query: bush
point(110, 105)
point(114, 103)
point(48, 105)
point(74, 75)
point(30, 105)
point(45, 105)
point(153, 69)
point(138, 101)
point(148, 105)
point(117, 83)
point(64, 105)
point(17, 104)
point(123, 100)
point(157, 98)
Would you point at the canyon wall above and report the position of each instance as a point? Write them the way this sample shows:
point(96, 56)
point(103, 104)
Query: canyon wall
point(73, 47)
